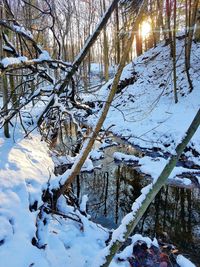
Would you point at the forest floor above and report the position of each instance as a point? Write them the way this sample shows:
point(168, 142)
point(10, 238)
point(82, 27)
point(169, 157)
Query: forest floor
point(145, 115)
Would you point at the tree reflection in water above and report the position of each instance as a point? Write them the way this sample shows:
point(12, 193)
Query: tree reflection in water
point(173, 217)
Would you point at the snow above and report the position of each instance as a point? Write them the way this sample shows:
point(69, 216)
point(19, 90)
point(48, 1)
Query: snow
point(21, 29)
point(44, 56)
point(96, 155)
point(148, 118)
point(183, 262)
point(7, 48)
point(126, 253)
point(154, 166)
point(83, 204)
point(61, 160)
point(185, 181)
point(107, 143)
point(25, 168)
point(151, 119)
point(12, 60)
point(121, 156)
point(22, 172)
point(145, 112)
point(118, 234)
point(7, 61)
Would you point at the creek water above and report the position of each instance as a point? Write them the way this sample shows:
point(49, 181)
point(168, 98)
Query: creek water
point(173, 217)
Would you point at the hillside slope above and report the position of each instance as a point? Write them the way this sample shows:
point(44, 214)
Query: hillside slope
point(144, 112)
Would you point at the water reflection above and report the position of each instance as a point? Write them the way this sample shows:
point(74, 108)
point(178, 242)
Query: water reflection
point(174, 216)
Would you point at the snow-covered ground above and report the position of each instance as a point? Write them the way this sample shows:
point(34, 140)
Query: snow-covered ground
point(145, 113)
point(25, 169)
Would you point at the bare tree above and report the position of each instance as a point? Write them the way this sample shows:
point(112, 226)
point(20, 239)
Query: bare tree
point(3, 80)
point(174, 54)
point(190, 17)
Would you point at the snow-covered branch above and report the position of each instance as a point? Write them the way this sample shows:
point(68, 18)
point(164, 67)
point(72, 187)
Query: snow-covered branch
point(12, 63)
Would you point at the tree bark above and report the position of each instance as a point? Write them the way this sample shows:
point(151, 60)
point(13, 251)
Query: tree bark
point(3, 80)
point(191, 12)
point(197, 31)
point(174, 56)
point(160, 17)
point(117, 39)
point(168, 22)
point(105, 48)
point(137, 214)
point(138, 41)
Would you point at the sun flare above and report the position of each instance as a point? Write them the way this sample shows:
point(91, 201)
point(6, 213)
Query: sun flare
point(145, 29)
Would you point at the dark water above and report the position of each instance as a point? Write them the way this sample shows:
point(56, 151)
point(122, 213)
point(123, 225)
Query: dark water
point(174, 216)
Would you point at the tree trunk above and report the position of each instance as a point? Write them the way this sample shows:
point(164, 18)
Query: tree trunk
point(91, 139)
point(12, 90)
point(3, 80)
point(134, 217)
point(154, 32)
point(174, 56)
point(197, 28)
point(117, 42)
point(5, 103)
point(138, 41)
point(191, 11)
point(105, 48)
point(168, 22)
point(160, 18)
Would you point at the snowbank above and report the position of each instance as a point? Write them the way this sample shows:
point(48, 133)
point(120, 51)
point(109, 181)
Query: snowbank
point(144, 112)
point(25, 168)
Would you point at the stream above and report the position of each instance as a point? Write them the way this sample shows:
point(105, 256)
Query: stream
point(173, 217)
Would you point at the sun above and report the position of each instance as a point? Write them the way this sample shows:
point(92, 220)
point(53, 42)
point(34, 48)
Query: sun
point(145, 29)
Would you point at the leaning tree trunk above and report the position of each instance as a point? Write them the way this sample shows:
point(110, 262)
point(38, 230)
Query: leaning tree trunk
point(131, 220)
point(91, 139)
point(117, 39)
point(81, 56)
